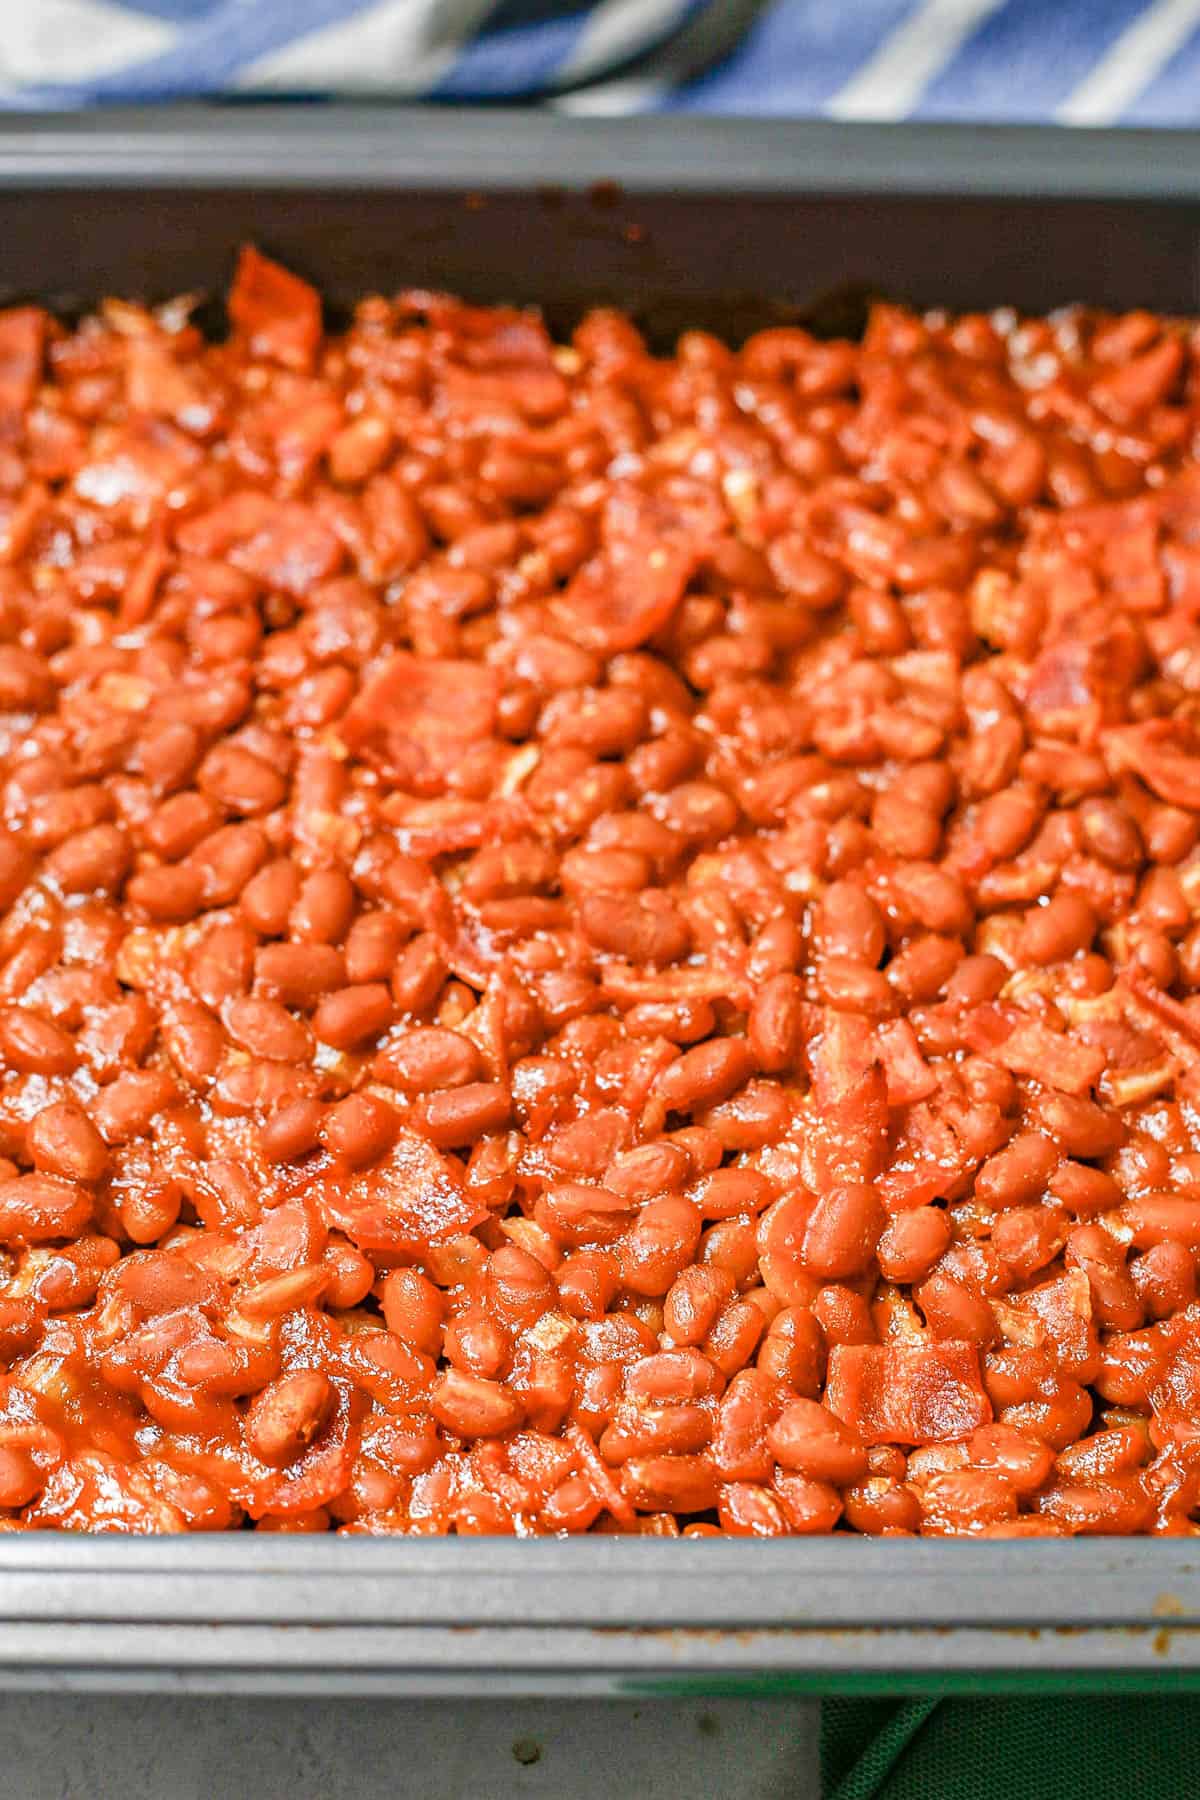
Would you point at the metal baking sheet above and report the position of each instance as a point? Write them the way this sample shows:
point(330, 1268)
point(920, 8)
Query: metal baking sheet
point(722, 224)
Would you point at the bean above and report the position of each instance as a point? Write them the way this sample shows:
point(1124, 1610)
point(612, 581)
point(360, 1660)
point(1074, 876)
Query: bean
point(1084, 1191)
point(16, 867)
point(479, 1344)
point(323, 907)
point(33, 1045)
point(682, 1021)
point(352, 1016)
point(37, 1208)
point(705, 1075)
point(266, 1029)
point(581, 1214)
point(694, 1301)
point(681, 1484)
point(912, 1243)
point(179, 824)
point(414, 1309)
point(127, 1105)
point(644, 928)
point(268, 897)
point(661, 1242)
point(165, 894)
point(292, 1131)
point(372, 945)
point(227, 860)
point(1111, 833)
point(472, 1407)
point(905, 827)
point(1029, 1237)
point(810, 1507)
point(649, 1169)
point(92, 861)
point(974, 981)
point(463, 1115)
point(1065, 925)
point(734, 1337)
point(1164, 1278)
point(793, 1351)
point(933, 897)
point(1157, 1218)
point(954, 1311)
point(1004, 823)
point(298, 974)
point(1018, 1173)
point(428, 1059)
point(20, 1478)
point(809, 1439)
point(418, 975)
point(774, 1025)
point(360, 1129)
point(604, 871)
point(850, 986)
point(587, 1282)
point(727, 1192)
point(62, 1141)
point(1082, 1127)
point(289, 1414)
point(843, 1229)
point(241, 782)
point(847, 923)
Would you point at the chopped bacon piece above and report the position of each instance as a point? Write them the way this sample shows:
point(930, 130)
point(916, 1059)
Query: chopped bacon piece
point(1082, 680)
point(1181, 1025)
point(910, 1393)
point(631, 589)
point(1165, 753)
point(849, 1139)
point(415, 715)
point(1060, 1312)
point(279, 542)
point(909, 1076)
point(409, 1200)
point(277, 313)
point(22, 352)
point(1027, 1047)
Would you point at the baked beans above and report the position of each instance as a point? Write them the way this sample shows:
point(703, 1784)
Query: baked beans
point(598, 942)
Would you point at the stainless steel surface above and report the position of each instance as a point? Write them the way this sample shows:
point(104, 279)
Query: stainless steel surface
point(164, 1747)
point(588, 1615)
point(432, 147)
point(716, 223)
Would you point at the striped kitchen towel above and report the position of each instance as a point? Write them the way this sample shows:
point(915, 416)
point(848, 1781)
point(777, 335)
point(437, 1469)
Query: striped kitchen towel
point(1080, 62)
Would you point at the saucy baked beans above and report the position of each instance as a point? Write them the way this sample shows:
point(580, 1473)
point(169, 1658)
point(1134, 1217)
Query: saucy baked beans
point(596, 942)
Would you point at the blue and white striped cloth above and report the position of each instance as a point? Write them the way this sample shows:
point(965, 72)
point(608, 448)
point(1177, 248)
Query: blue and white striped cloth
point(1080, 62)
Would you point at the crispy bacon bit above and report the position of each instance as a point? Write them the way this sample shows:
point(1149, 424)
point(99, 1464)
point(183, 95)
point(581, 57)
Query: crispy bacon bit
point(1028, 1047)
point(1165, 753)
point(627, 593)
point(908, 1393)
point(279, 542)
point(909, 1076)
point(22, 352)
point(416, 716)
point(407, 1201)
point(277, 313)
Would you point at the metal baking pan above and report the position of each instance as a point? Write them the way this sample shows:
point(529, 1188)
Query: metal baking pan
point(722, 224)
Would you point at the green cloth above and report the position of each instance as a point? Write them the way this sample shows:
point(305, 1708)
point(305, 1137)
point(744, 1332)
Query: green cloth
point(1119, 1747)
